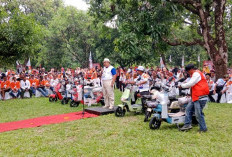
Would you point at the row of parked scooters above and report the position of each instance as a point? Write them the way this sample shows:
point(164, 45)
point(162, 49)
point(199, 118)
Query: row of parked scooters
point(83, 91)
point(164, 104)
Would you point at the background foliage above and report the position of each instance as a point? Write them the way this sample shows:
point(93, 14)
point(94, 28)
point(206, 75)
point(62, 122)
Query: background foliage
point(128, 32)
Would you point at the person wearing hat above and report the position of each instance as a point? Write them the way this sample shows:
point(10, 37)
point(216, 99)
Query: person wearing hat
point(199, 93)
point(108, 79)
point(142, 81)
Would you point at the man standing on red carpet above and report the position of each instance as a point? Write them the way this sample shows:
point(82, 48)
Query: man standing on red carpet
point(108, 80)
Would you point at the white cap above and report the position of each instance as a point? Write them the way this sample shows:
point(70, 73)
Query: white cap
point(140, 68)
point(106, 60)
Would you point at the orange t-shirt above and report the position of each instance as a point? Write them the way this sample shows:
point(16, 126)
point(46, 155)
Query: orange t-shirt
point(38, 83)
point(15, 85)
point(35, 81)
point(46, 83)
point(228, 83)
point(94, 75)
point(7, 83)
point(43, 83)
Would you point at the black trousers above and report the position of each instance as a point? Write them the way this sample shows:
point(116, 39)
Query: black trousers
point(23, 91)
point(219, 96)
point(211, 97)
point(117, 82)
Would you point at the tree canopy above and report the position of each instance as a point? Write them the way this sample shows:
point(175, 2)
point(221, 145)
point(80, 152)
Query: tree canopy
point(128, 32)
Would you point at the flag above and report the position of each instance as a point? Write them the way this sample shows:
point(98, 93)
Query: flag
point(17, 63)
point(161, 63)
point(198, 58)
point(170, 58)
point(182, 63)
point(29, 65)
point(90, 61)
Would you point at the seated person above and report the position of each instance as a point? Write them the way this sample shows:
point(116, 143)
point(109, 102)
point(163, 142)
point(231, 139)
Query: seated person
point(25, 87)
point(15, 88)
point(143, 84)
point(54, 82)
point(220, 87)
point(5, 86)
point(47, 83)
point(33, 82)
point(211, 86)
point(40, 86)
point(212, 75)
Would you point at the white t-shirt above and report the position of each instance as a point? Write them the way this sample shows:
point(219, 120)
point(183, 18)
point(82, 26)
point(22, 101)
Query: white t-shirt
point(145, 86)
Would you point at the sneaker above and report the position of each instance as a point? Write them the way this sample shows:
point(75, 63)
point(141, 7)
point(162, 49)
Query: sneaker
point(105, 107)
point(202, 131)
point(111, 107)
point(186, 127)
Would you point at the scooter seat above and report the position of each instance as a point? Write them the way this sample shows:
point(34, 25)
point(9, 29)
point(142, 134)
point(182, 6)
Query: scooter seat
point(146, 96)
point(152, 104)
point(178, 114)
point(136, 105)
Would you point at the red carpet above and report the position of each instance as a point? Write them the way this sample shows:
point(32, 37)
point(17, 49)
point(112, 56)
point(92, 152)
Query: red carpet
point(36, 122)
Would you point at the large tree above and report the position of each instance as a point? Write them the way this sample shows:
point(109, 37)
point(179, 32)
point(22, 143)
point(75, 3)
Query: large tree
point(158, 20)
point(210, 15)
point(70, 39)
point(20, 34)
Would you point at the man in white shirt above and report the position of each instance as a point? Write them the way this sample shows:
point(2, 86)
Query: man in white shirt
point(108, 79)
point(25, 86)
point(142, 81)
point(53, 82)
point(219, 86)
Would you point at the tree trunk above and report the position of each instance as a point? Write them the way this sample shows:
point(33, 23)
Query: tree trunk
point(220, 68)
point(215, 44)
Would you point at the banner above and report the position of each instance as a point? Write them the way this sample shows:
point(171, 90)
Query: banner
point(182, 62)
point(90, 61)
point(29, 65)
point(97, 65)
point(199, 59)
point(161, 63)
point(170, 58)
point(207, 66)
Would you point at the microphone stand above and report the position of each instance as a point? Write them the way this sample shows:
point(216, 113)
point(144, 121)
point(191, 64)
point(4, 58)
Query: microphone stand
point(83, 97)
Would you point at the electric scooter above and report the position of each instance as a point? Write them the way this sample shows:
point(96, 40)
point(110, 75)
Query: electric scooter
point(126, 105)
point(161, 112)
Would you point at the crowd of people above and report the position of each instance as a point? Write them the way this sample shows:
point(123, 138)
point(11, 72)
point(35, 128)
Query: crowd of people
point(42, 81)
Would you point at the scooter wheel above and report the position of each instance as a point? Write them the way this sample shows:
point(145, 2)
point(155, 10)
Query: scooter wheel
point(102, 102)
point(50, 99)
point(154, 123)
point(119, 112)
point(147, 115)
point(63, 101)
point(74, 104)
point(55, 99)
point(66, 101)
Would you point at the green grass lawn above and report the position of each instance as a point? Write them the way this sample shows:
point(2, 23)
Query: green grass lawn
point(110, 135)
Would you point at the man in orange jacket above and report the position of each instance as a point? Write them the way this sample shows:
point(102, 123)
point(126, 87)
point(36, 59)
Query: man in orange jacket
point(199, 93)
